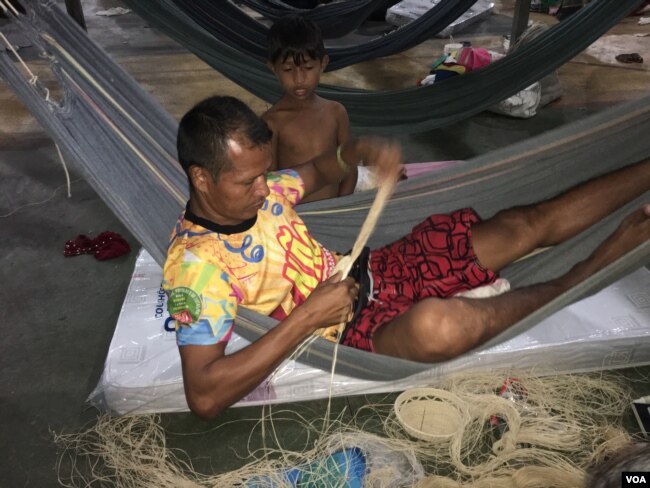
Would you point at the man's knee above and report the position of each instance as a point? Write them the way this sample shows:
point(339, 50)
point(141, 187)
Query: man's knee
point(524, 226)
point(443, 335)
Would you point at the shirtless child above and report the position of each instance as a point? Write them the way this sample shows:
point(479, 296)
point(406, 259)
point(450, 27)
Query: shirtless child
point(304, 124)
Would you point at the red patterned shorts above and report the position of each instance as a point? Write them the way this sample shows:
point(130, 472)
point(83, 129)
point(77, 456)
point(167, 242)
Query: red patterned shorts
point(435, 260)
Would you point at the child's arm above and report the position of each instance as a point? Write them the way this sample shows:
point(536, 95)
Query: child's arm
point(274, 141)
point(334, 164)
point(346, 187)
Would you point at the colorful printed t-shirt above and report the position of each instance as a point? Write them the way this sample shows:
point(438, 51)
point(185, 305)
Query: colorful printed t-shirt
point(269, 264)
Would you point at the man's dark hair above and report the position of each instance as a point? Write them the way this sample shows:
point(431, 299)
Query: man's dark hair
point(296, 37)
point(204, 132)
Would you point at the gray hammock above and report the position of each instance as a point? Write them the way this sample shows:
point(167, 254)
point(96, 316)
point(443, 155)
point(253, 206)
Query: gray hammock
point(413, 109)
point(124, 141)
point(229, 24)
point(334, 19)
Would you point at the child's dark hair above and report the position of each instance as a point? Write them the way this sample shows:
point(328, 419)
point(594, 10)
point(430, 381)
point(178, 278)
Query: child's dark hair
point(297, 37)
point(204, 131)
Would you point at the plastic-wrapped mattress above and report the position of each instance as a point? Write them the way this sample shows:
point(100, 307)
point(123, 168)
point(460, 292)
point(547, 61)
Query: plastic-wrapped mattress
point(408, 10)
point(142, 372)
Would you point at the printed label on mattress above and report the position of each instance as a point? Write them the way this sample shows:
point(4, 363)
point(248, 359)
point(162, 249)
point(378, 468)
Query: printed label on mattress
point(184, 305)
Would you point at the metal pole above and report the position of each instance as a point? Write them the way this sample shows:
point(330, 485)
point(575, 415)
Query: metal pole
point(76, 12)
point(519, 20)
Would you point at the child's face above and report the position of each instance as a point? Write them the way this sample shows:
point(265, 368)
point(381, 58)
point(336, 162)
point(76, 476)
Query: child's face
point(299, 81)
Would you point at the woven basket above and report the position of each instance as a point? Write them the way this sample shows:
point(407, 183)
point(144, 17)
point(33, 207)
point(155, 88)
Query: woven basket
point(430, 414)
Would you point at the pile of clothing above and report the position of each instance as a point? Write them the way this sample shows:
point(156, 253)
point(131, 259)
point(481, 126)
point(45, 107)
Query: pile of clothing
point(460, 58)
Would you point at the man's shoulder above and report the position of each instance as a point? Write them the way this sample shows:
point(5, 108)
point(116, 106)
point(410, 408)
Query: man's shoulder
point(190, 245)
point(286, 184)
point(195, 271)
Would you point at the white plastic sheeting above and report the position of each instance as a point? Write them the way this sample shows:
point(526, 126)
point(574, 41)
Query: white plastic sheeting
point(142, 373)
point(408, 10)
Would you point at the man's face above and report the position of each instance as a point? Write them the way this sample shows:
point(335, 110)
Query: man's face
point(239, 192)
point(299, 81)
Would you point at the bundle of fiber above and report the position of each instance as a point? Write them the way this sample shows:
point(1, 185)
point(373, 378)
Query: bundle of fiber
point(510, 430)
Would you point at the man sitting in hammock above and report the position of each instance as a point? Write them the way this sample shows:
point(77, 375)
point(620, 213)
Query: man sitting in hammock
point(240, 243)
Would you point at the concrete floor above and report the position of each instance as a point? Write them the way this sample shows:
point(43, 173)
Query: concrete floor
point(59, 313)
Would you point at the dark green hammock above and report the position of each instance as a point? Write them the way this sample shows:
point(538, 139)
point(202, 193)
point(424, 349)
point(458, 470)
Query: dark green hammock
point(413, 109)
point(125, 143)
point(334, 19)
point(230, 25)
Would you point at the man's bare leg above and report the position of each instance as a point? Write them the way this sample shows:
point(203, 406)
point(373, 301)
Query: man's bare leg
point(439, 329)
point(513, 233)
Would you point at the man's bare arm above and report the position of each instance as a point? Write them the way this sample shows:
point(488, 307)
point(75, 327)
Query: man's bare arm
point(214, 381)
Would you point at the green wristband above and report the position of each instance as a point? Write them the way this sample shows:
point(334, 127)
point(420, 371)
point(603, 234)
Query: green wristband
point(345, 167)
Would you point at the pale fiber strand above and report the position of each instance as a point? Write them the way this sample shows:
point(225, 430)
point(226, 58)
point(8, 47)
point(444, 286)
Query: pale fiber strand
point(345, 265)
point(383, 195)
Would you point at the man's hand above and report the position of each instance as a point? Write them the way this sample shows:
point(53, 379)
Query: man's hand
point(330, 302)
point(214, 381)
